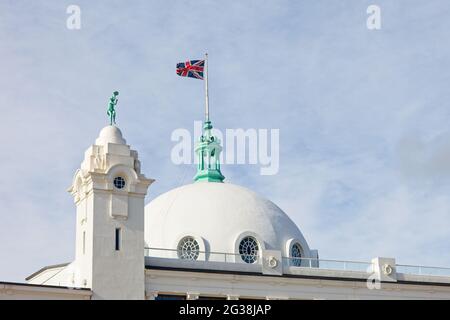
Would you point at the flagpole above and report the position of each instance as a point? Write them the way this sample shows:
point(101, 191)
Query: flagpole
point(206, 89)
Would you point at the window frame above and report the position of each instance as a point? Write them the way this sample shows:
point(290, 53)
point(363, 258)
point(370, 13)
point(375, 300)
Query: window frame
point(180, 248)
point(243, 255)
point(121, 182)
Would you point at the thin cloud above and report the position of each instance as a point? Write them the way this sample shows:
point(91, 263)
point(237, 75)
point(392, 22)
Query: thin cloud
point(346, 100)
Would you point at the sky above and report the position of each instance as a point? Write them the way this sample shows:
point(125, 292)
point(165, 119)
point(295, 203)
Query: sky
point(363, 114)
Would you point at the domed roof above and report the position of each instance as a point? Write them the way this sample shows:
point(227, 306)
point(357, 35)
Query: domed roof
point(110, 134)
point(219, 214)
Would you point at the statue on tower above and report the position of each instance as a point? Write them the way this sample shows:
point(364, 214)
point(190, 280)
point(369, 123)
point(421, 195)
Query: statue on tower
point(111, 108)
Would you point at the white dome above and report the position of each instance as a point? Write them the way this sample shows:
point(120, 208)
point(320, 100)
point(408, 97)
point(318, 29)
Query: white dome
point(110, 134)
point(219, 215)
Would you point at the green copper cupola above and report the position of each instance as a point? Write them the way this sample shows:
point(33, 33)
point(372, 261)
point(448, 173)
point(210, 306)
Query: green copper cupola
point(208, 151)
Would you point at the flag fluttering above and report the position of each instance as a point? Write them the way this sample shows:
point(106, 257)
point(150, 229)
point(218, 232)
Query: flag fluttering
point(196, 69)
point(191, 69)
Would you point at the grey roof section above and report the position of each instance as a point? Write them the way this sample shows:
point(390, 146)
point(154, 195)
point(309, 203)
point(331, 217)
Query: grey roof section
point(46, 268)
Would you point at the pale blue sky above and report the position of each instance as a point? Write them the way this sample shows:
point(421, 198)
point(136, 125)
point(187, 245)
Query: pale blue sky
point(363, 115)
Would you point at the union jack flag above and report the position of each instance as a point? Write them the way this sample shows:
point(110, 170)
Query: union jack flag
point(191, 69)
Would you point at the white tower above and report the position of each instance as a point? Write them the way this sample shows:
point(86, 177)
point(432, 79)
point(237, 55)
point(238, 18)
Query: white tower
point(109, 192)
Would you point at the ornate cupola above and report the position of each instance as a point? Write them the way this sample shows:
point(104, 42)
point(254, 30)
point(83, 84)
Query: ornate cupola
point(208, 150)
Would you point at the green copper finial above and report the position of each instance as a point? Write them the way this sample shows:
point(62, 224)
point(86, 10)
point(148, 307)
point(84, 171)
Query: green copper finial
point(111, 108)
point(208, 151)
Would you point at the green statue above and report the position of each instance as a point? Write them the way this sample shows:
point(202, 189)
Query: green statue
point(111, 108)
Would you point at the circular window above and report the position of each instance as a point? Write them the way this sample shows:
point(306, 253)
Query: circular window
point(296, 254)
point(248, 249)
point(188, 249)
point(119, 182)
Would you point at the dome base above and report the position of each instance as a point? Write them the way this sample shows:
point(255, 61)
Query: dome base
point(210, 175)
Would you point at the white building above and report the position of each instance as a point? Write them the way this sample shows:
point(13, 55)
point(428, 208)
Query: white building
point(208, 239)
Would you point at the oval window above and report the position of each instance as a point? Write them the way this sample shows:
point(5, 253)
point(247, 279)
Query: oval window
point(188, 249)
point(248, 249)
point(296, 254)
point(119, 182)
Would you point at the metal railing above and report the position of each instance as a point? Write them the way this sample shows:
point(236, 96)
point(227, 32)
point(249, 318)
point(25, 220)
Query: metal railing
point(202, 255)
point(423, 270)
point(307, 263)
point(328, 264)
point(289, 262)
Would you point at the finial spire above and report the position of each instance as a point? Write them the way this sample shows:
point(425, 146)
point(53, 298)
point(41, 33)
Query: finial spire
point(111, 108)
